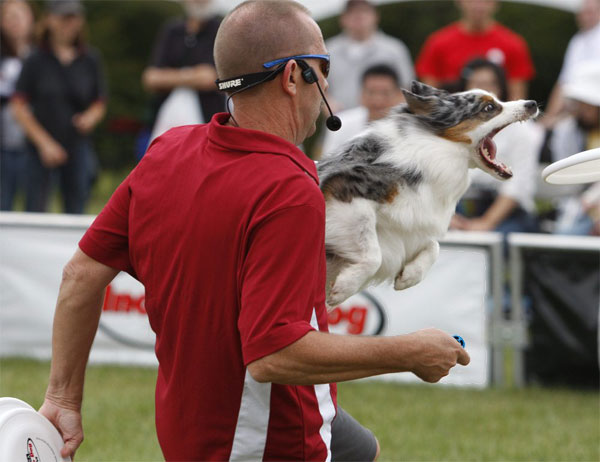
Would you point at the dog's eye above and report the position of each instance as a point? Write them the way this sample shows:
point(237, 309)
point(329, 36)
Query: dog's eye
point(489, 107)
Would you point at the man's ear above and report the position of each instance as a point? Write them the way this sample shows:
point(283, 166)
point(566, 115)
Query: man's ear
point(290, 78)
point(420, 105)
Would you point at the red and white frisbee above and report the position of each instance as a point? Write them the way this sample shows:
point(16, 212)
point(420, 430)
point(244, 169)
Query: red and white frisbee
point(26, 435)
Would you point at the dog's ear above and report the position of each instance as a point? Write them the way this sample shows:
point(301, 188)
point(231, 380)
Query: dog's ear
point(419, 88)
point(417, 104)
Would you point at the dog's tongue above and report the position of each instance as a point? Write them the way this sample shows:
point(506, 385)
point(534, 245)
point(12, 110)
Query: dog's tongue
point(487, 150)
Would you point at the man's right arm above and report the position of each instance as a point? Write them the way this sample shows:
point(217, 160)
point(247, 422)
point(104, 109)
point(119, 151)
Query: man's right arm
point(320, 357)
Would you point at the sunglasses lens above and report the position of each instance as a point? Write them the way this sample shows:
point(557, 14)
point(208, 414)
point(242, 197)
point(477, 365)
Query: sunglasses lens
point(325, 67)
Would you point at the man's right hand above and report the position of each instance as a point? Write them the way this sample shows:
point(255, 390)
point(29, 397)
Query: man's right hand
point(52, 154)
point(68, 422)
point(435, 354)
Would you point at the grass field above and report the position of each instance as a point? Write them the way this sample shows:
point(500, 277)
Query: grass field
point(413, 423)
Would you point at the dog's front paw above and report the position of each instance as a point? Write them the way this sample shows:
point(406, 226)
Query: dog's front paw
point(410, 276)
point(336, 298)
point(341, 290)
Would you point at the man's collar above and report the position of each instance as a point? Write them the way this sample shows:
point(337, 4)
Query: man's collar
point(244, 140)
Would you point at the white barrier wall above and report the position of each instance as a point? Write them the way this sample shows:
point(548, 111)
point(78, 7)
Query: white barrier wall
point(34, 249)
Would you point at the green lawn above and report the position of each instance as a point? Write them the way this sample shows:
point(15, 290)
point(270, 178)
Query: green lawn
point(413, 423)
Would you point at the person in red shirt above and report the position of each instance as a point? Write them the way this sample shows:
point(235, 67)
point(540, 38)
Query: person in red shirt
point(224, 225)
point(475, 35)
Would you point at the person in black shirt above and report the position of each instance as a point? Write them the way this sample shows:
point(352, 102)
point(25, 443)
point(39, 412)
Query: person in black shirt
point(183, 57)
point(59, 100)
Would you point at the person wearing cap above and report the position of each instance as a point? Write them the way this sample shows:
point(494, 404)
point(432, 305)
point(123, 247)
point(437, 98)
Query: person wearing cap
point(224, 224)
point(59, 100)
point(579, 131)
point(361, 45)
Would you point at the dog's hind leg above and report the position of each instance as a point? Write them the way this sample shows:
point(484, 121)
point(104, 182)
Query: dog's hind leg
point(352, 234)
point(414, 271)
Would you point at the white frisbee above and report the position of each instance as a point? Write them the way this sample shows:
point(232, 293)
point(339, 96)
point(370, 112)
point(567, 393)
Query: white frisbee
point(8, 404)
point(27, 436)
point(583, 167)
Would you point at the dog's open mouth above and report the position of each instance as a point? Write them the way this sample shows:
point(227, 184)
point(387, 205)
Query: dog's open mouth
point(487, 151)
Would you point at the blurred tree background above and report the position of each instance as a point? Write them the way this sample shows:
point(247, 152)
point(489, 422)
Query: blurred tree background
point(125, 31)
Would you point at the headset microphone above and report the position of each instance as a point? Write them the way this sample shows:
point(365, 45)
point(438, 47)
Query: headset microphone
point(333, 123)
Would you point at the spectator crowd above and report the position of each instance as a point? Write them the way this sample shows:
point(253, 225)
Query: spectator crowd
point(54, 94)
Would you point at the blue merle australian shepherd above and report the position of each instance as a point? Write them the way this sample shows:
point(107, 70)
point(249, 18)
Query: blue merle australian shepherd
point(391, 191)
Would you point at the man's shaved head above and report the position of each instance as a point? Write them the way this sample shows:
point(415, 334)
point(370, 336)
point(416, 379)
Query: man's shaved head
point(258, 31)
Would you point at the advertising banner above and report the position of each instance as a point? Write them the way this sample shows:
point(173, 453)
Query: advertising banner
point(452, 298)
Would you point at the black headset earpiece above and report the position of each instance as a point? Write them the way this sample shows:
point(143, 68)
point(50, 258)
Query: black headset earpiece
point(309, 75)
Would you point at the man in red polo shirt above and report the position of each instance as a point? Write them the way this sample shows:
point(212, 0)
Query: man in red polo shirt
point(476, 34)
point(224, 225)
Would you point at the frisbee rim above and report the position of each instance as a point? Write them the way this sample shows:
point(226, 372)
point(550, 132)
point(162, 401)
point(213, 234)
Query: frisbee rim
point(8, 403)
point(551, 174)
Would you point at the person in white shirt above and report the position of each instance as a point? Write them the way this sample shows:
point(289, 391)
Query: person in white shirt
point(490, 204)
point(380, 91)
point(578, 213)
point(360, 46)
point(583, 47)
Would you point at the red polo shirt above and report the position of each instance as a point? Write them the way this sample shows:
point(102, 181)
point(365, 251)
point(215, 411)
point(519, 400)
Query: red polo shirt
point(225, 227)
